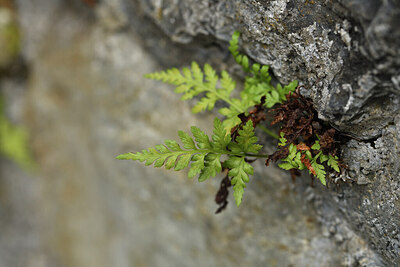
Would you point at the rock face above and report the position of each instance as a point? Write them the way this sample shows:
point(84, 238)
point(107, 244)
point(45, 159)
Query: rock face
point(85, 101)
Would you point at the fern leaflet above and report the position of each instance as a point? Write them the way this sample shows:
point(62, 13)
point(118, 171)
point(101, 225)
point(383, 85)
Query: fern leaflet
point(239, 169)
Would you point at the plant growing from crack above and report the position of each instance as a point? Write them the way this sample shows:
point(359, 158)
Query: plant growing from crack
point(304, 141)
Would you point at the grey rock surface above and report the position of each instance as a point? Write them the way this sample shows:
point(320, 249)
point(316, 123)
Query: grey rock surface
point(85, 101)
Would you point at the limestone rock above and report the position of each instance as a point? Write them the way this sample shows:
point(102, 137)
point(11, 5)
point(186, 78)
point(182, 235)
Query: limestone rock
point(86, 101)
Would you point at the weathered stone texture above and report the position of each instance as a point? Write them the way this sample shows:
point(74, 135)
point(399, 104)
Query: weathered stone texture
point(86, 101)
point(347, 54)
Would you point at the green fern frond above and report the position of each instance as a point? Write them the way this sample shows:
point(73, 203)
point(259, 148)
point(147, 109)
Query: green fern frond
point(333, 162)
point(220, 138)
point(202, 152)
point(204, 155)
point(320, 172)
point(293, 160)
point(316, 146)
point(241, 59)
point(239, 170)
point(315, 163)
point(194, 81)
point(282, 139)
point(246, 140)
point(258, 84)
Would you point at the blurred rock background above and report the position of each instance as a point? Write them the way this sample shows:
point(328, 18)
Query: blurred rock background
point(72, 77)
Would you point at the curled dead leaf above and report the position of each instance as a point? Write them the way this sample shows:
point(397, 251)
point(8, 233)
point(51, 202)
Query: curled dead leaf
point(307, 163)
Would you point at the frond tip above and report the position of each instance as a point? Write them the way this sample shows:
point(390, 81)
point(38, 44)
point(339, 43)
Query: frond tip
point(203, 154)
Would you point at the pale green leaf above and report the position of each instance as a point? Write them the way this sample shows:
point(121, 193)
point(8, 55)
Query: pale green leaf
point(286, 166)
point(292, 151)
point(227, 83)
point(333, 162)
point(239, 171)
point(220, 138)
point(197, 73)
point(202, 105)
point(187, 141)
point(320, 171)
point(246, 140)
point(282, 139)
point(211, 76)
point(203, 142)
point(182, 88)
point(160, 161)
point(170, 162)
point(212, 166)
point(297, 160)
point(197, 165)
point(323, 158)
point(172, 145)
point(126, 156)
point(183, 162)
point(162, 149)
point(230, 123)
point(316, 146)
point(291, 87)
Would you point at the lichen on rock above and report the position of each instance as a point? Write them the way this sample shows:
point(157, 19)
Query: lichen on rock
point(87, 101)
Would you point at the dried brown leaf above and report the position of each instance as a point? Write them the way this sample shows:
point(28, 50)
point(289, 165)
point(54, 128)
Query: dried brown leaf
point(307, 163)
point(302, 147)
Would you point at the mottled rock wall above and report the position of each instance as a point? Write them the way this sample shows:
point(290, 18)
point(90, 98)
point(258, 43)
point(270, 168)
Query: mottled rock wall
point(84, 100)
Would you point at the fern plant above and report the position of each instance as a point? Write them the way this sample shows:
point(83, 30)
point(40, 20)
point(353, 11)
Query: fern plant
point(303, 157)
point(234, 136)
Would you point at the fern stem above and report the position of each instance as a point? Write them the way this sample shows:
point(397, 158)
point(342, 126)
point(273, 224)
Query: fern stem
point(238, 108)
point(221, 152)
point(255, 155)
point(270, 133)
